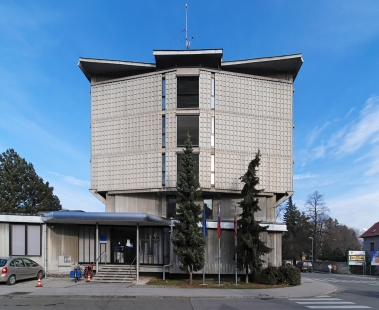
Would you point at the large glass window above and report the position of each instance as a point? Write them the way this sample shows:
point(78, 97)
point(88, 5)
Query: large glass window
point(87, 244)
point(151, 245)
point(208, 202)
point(25, 239)
point(188, 92)
point(171, 206)
point(179, 164)
point(190, 124)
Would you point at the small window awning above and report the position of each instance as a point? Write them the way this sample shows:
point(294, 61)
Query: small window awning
point(105, 218)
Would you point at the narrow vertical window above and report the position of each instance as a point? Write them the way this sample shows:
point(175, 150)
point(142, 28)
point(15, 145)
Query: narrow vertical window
point(212, 170)
point(163, 169)
point(208, 208)
point(212, 93)
point(213, 132)
point(163, 131)
point(163, 94)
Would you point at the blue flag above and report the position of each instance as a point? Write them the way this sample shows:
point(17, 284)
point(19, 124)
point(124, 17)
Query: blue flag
point(205, 230)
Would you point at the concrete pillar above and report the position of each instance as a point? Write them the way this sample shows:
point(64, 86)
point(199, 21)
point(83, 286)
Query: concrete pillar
point(97, 247)
point(137, 251)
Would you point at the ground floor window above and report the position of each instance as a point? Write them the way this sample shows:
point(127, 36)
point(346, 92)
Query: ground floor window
point(154, 245)
point(87, 239)
point(25, 240)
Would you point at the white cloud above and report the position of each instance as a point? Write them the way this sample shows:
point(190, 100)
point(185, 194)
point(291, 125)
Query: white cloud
point(359, 208)
point(365, 130)
point(304, 176)
point(72, 180)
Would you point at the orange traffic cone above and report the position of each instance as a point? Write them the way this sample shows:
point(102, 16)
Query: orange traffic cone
point(89, 277)
point(39, 284)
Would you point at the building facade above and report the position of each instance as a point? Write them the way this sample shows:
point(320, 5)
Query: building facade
point(140, 115)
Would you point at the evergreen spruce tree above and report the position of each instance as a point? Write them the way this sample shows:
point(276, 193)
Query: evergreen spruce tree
point(188, 239)
point(296, 240)
point(250, 248)
point(21, 189)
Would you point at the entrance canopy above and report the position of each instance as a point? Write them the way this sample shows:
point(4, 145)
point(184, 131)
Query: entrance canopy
point(105, 218)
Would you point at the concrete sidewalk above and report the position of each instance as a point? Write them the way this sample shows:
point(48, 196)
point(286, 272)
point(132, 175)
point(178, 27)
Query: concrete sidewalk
point(66, 287)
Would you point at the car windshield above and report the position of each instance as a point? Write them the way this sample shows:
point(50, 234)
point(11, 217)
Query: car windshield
point(2, 262)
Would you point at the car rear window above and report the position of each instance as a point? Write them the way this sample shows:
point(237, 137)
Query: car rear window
point(2, 262)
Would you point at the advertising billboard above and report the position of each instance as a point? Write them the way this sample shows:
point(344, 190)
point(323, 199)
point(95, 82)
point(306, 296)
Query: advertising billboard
point(374, 258)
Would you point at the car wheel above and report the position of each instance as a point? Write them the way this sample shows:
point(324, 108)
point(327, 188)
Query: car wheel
point(39, 274)
point(11, 280)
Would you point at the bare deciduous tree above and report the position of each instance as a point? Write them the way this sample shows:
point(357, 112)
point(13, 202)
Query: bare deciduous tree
point(317, 212)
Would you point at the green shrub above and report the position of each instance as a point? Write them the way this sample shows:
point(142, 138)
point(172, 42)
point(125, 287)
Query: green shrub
point(284, 275)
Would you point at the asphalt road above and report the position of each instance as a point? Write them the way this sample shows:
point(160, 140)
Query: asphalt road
point(353, 293)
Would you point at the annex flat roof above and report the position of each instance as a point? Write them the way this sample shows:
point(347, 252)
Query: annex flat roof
point(104, 218)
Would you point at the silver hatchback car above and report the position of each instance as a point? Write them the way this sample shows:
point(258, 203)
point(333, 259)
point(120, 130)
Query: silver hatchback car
point(19, 268)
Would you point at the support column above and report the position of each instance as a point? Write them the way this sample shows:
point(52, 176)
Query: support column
point(137, 251)
point(45, 254)
point(97, 247)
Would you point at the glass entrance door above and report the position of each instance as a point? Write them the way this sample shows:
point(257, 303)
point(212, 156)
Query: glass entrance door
point(123, 245)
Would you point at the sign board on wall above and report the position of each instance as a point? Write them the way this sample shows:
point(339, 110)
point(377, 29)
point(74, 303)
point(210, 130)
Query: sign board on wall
point(356, 258)
point(64, 260)
point(374, 258)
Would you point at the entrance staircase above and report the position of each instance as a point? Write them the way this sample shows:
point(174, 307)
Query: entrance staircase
point(115, 274)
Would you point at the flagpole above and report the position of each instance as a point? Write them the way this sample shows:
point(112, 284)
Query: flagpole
point(205, 234)
point(235, 238)
point(219, 246)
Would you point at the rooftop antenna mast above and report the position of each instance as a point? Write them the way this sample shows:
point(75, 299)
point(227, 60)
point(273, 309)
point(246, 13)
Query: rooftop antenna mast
point(188, 43)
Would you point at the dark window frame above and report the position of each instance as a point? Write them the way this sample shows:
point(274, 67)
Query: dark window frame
point(187, 92)
point(187, 124)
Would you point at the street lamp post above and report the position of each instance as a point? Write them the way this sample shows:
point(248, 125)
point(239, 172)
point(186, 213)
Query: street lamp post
point(313, 261)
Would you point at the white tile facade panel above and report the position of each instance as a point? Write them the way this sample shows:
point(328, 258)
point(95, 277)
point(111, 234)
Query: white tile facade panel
point(252, 114)
point(205, 124)
point(126, 133)
point(171, 91)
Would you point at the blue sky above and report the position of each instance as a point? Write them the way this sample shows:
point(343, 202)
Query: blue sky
point(45, 102)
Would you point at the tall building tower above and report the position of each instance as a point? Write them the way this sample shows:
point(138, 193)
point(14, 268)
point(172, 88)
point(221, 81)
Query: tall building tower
point(141, 113)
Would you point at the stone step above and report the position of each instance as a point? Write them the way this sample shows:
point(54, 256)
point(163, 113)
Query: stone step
point(112, 281)
point(116, 274)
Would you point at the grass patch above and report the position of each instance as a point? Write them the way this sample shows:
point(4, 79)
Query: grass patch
point(183, 283)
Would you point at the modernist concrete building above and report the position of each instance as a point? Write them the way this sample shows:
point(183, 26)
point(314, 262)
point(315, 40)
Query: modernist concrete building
point(140, 114)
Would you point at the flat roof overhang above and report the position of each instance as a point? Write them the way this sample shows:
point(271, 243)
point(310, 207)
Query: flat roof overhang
point(113, 68)
point(208, 58)
point(104, 218)
point(289, 64)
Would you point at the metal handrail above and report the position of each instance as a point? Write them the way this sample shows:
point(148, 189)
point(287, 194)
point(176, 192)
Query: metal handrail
point(164, 270)
point(130, 268)
point(99, 256)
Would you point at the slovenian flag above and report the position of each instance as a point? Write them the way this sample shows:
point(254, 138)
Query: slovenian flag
point(219, 220)
point(205, 230)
